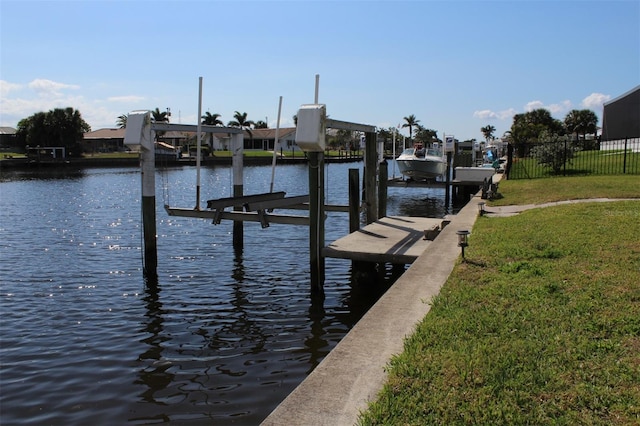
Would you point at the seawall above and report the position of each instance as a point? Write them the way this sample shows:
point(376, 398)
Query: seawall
point(353, 373)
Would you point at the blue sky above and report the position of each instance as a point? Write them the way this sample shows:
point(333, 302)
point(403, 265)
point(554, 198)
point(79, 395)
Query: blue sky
point(456, 65)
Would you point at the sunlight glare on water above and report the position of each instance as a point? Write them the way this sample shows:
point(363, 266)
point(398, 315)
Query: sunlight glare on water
point(226, 336)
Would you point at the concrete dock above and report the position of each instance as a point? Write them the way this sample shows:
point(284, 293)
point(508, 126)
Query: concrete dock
point(392, 239)
point(353, 373)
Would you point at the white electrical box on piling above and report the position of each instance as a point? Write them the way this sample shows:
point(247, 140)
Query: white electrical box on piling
point(311, 128)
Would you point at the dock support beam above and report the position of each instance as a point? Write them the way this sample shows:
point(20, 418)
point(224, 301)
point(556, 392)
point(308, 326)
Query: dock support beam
point(237, 144)
point(447, 195)
point(354, 200)
point(316, 220)
point(370, 175)
point(383, 178)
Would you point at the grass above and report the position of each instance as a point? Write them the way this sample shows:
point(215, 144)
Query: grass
point(584, 163)
point(541, 325)
point(538, 191)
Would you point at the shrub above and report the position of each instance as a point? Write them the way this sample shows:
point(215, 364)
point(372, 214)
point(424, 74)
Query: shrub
point(555, 152)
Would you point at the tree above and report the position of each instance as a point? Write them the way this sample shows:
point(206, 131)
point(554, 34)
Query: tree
point(242, 122)
point(529, 126)
point(487, 132)
point(581, 122)
point(410, 122)
point(209, 119)
point(386, 136)
point(260, 125)
point(121, 122)
point(60, 127)
point(158, 116)
point(426, 136)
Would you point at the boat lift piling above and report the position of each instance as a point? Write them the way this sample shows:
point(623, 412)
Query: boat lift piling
point(138, 134)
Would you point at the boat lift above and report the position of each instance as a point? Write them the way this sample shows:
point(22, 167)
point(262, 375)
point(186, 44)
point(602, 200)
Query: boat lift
point(310, 136)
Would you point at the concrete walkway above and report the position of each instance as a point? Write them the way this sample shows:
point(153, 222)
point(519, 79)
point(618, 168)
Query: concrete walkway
point(353, 373)
point(513, 210)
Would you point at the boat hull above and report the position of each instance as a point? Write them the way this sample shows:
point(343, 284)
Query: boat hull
point(420, 168)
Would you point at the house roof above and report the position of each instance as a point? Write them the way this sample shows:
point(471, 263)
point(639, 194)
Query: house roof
point(7, 131)
point(109, 133)
point(105, 134)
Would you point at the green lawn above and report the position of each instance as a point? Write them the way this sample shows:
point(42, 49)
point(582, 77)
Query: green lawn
point(537, 191)
point(541, 325)
point(584, 163)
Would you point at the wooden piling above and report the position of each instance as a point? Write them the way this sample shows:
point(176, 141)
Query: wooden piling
point(354, 200)
point(383, 178)
point(150, 268)
point(316, 220)
point(370, 175)
point(237, 143)
point(447, 195)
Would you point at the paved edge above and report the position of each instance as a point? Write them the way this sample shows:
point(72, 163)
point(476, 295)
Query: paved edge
point(353, 373)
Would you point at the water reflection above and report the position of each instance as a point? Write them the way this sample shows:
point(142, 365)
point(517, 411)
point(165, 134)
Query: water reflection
point(316, 344)
point(154, 376)
point(42, 173)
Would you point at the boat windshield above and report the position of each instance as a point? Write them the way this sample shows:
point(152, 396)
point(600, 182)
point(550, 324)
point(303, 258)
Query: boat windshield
point(432, 152)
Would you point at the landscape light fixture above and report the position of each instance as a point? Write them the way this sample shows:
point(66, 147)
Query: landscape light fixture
point(463, 242)
point(481, 208)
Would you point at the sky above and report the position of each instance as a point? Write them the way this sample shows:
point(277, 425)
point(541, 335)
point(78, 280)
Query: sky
point(455, 65)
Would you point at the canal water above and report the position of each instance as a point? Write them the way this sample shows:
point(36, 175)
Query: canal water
point(224, 339)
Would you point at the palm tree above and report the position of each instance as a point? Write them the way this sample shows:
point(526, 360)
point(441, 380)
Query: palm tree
point(159, 117)
point(261, 125)
point(121, 122)
point(242, 122)
point(487, 131)
point(410, 122)
point(211, 120)
point(581, 122)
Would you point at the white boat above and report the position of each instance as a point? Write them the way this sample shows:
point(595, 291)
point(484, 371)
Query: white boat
point(475, 175)
point(421, 163)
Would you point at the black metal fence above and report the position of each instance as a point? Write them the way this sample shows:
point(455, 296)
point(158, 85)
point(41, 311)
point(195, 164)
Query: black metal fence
point(567, 158)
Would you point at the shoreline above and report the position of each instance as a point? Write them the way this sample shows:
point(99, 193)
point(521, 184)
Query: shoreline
point(26, 164)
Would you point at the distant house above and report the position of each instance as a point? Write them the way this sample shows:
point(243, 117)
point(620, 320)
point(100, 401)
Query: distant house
point(7, 137)
point(176, 139)
point(112, 140)
point(264, 139)
point(104, 140)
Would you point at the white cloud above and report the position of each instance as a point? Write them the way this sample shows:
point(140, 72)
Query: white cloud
point(562, 107)
point(595, 101)
point(126, 99)
point(558, 108)
point(487, 114)
point(6, 87)
point(50, 88)
point(20, 101)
